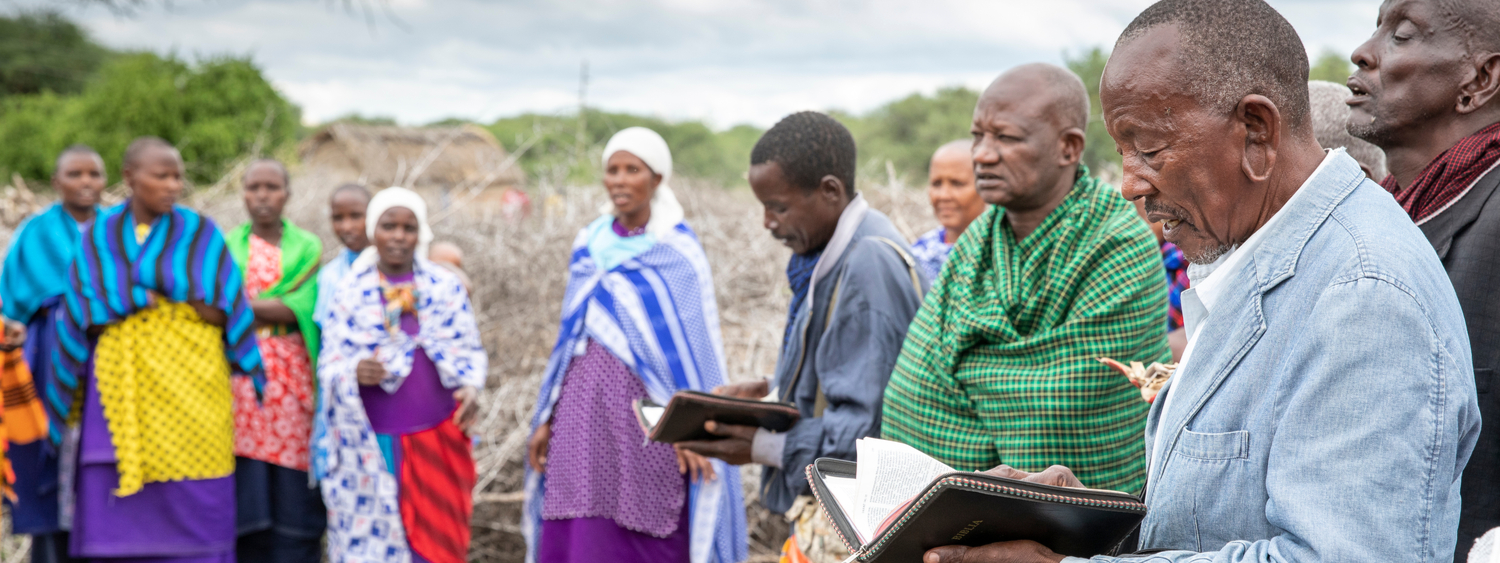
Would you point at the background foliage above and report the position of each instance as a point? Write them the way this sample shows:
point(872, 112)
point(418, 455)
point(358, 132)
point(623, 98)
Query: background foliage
point(215, 109)
point(44, 52)
point(58, 87)
point(1331, 66)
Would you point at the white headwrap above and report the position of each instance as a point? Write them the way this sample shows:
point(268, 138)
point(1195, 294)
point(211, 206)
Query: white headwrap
point(386, 200)
point(648, 146)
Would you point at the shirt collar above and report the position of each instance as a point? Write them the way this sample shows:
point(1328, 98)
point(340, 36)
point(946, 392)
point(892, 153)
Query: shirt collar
point(1209, 281)
point(849, 221)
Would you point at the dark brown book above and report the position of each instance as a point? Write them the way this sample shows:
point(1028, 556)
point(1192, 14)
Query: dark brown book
point(682, 419)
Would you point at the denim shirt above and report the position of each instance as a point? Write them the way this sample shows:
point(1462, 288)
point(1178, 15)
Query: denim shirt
point(1329, 408)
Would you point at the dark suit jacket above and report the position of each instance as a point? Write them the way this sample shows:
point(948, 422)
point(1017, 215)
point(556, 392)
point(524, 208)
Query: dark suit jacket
point(1467, 238)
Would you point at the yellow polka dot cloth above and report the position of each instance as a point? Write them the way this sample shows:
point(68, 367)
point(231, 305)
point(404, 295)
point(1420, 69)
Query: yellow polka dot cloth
point(164, 383)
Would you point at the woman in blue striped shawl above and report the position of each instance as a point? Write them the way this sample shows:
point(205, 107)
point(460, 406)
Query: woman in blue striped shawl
point(31, 287)
point(154, 322)
point(639, 320)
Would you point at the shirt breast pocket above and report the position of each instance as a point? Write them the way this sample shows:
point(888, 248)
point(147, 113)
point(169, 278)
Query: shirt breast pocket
point(1214, 446)
point(1208, 464)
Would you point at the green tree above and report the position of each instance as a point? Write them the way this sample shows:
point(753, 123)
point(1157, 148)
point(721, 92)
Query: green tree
point(1331, 66)
point(360, 119)
point(215, 110)
point(1099, 148)
point(697, 150)
point(29, 139)
point(44, 52)
point(907, 131)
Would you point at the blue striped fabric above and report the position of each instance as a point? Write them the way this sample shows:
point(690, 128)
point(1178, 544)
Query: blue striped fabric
point(656, 312)
point(184, 259)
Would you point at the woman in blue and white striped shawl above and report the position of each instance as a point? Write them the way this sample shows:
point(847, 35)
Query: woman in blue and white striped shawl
point(639, 320)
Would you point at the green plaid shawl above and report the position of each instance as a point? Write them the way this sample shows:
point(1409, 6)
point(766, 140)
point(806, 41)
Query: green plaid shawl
point(999, 364)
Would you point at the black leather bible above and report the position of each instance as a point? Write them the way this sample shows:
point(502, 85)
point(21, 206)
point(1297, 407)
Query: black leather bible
point(973, 509)
point(683, 417)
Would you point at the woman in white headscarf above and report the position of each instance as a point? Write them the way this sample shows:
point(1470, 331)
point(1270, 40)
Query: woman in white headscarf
point(639, 320)
point(400, 369)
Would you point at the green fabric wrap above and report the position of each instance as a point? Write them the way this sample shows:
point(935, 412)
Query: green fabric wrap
point(1000, 365)
point(301, 252)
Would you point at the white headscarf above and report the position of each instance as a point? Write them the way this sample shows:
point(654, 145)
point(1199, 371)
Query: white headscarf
point(648, 146)
point(386, 200)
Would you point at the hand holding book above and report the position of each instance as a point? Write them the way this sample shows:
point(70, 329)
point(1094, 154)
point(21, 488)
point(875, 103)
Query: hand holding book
point(898, 504)
point(1020, 551)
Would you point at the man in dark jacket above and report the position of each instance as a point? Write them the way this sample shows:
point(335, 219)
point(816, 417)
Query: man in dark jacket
point(855, 288)
point(1428, 92)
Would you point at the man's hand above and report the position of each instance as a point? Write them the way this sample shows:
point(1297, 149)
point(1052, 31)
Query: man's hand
point(369, 372)
point(536, 447)
point(1024, 551)
point(468, 407)
point(734, 449)
point(1057, 476)
point(747, 390)
point(694, 465)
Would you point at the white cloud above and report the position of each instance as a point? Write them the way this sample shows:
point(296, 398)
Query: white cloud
point(727, 61)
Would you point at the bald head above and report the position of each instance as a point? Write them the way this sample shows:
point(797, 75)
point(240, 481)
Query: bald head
point(953, 150)
point(270, 164)
point(1055, 93)
point(1028, 138)
point(143, 145)
point(1330, 117)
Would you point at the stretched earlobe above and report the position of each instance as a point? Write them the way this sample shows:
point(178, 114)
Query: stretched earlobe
point(1483, 85)
point(1262, 126)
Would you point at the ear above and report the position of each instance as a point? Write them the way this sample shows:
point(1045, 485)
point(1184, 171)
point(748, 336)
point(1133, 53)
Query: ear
point(831, 190)
point(1070, 146)
point(1483, 85)
point(1263, 129)
point(127, 172)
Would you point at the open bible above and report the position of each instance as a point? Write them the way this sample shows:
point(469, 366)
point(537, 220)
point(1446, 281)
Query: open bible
point(896, 503)
point(682, 418)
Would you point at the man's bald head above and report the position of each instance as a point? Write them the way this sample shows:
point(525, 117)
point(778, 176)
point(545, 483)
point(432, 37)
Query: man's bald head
point(1230, 49)
point(1058, 94)
point(1028, 138)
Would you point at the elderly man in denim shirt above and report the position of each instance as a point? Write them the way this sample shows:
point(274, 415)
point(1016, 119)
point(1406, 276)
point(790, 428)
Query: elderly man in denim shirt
point(1325, 406)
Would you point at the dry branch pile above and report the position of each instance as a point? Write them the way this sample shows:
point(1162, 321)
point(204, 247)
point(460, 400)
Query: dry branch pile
point(519, 269)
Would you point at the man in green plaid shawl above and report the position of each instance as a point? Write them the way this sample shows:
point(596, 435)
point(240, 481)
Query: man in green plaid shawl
point(1000, 365)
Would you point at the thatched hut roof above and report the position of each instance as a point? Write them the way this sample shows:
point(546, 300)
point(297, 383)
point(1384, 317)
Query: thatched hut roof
point(445, 158)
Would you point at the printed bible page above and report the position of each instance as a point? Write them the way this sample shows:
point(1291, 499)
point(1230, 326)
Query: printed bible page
point(889, 475)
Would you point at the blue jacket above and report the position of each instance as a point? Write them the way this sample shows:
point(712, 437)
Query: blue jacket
point(870, 290)
point(1329, 408)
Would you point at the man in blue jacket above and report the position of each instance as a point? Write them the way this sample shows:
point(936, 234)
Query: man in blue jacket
point(855, 288)
point(1325, 406)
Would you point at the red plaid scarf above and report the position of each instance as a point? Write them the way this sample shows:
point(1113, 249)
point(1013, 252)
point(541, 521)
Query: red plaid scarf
point(1449, 175)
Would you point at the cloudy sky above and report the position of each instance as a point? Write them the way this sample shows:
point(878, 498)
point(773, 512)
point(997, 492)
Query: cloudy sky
point(726, 61)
